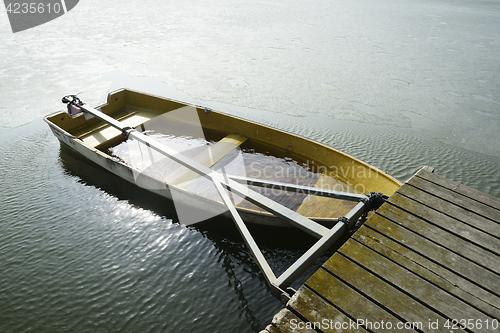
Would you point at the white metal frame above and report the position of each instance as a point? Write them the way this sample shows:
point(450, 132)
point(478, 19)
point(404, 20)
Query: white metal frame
point(280, 286)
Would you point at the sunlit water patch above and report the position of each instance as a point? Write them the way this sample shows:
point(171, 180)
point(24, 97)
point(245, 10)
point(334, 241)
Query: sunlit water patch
point(80, 251)
point(386, 82)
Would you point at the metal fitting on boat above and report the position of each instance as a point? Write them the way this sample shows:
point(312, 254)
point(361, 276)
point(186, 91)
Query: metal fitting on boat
point(126, 132)
point(74, 104)
point(373, 201)
point(344, 220)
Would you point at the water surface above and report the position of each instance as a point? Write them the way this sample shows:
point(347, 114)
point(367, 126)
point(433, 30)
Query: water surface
point(399, 85)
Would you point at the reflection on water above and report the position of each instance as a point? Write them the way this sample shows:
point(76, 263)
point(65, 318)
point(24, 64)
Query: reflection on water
point(280, 246)
point(82, 250)
point(396, 84)
point(92, 175)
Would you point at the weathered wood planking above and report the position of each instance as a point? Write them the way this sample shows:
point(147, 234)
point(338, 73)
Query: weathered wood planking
point(454, 211)
point(457, 199)
point(445, 222)
point(437, 253)
point(461, 189)
point(429, 255)
point(391, 215)
point(430, 271)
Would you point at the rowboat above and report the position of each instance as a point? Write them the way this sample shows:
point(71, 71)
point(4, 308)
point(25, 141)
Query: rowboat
point(210, 163)
point(214, 139)
point(217, 140)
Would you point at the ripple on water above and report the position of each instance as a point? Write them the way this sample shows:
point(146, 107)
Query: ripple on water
point(400, 151)
point(75, 258)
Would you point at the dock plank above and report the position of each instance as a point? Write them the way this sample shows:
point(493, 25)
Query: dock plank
point(406, 308)
point(271, 329)
point(445, 222)
point(456, 198)
point(287, 322)
point(453, 261)
point(350, 300)
point(431, 253)
point(456, 212)
point(461, 189)
point(431, 271)
point(446, 239)
point(316, 310)
point(422, 292)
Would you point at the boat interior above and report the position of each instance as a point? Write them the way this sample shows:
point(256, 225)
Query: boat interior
point(227, 143)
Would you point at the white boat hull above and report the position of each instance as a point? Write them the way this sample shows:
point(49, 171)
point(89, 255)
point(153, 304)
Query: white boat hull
point(198, 206)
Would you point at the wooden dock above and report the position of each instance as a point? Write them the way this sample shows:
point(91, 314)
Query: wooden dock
point(428, 260)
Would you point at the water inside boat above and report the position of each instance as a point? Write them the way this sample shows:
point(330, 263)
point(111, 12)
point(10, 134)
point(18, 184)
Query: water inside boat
point(230, 154)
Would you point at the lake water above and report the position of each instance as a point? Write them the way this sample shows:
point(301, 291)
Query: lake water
point(399, 85)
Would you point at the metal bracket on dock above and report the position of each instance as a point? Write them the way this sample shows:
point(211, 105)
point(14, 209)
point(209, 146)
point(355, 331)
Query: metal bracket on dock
point(280, 286)
point(282, 295)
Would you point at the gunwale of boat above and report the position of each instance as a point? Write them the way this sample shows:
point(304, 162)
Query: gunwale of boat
point(124, 104)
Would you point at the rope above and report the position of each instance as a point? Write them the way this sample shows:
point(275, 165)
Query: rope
point(372, 201)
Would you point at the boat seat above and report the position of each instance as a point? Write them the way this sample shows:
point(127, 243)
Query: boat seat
point(182, 176)
point(322, 207)
point(107, 133)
